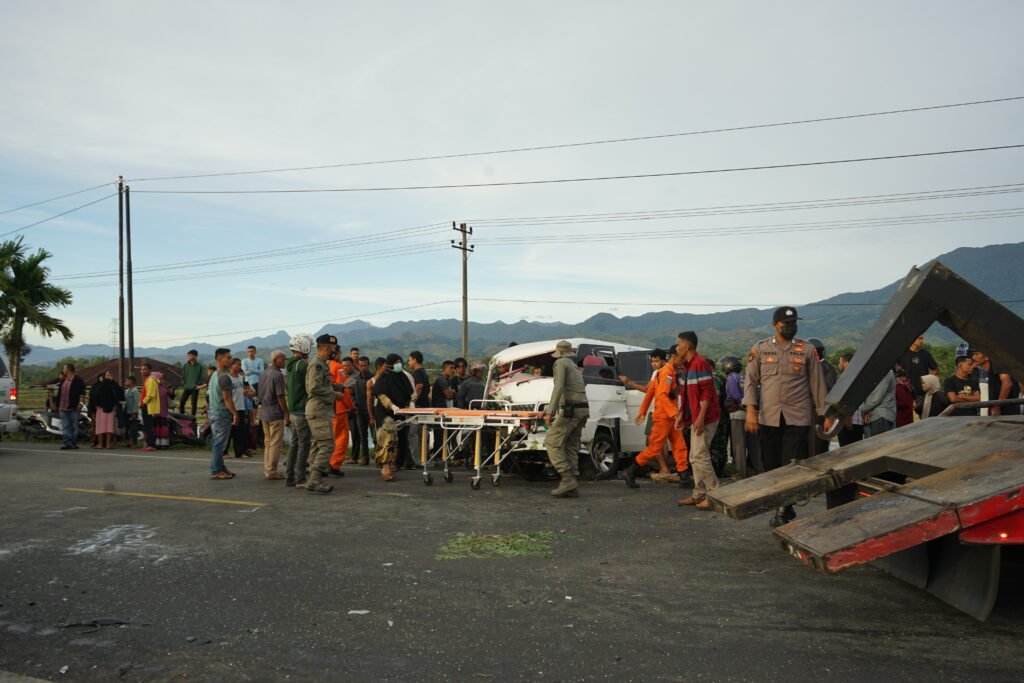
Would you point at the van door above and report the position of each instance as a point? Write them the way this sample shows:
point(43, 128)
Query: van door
point(636, 365)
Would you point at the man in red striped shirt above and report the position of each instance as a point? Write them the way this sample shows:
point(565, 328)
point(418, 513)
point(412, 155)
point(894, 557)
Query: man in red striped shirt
point(698, 412)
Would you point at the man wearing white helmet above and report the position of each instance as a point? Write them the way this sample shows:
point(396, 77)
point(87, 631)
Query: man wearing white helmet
point(295, 391)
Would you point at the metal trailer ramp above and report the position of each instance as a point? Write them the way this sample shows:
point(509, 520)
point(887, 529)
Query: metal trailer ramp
point(961, 473)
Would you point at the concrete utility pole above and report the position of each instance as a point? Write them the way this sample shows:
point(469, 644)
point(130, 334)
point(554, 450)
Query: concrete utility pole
point(465, 248)
point(131, 299)
point(120, 279)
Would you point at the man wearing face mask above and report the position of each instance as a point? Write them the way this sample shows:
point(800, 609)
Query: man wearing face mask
point(393, 391)
point(788, 374)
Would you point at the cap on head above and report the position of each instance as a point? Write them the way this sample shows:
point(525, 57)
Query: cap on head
point(327, 339)
point(563, 349)
point(784, 314)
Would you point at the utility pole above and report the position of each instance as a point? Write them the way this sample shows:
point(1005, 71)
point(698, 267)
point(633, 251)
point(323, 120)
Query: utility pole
point(466, 249)
point(131, 299)
point(120, 278)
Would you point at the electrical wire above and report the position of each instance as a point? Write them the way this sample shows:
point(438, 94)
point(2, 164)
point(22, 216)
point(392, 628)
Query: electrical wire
point(311, 322)
point(53, 199)
point(401, 233)
point(588, 238)
point(696, 305)
point(63, 213)
point(632, 176)
point(862, 200)
point(535, 148)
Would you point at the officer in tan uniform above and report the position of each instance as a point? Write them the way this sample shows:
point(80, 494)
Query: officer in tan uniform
point(784, 393)
point(320, 413)
point(569, 401)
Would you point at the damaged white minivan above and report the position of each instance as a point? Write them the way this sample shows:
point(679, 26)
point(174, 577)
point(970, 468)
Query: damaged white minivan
point(520, 377)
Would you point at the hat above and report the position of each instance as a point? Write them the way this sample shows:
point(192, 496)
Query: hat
point(784, 314)
point(563, 349)
point(327, 339)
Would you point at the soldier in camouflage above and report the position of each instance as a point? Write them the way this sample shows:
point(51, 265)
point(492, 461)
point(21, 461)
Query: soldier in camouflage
point(320, 413)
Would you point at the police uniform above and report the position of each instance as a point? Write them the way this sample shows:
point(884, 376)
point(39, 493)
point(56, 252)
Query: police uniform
point(320, 415)
point(792, 391)
point(563, 439)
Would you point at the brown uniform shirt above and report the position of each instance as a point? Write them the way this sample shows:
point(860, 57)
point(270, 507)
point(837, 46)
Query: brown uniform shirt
point(790, 380)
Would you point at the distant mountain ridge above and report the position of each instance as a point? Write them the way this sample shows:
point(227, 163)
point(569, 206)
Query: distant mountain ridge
point(998, 270)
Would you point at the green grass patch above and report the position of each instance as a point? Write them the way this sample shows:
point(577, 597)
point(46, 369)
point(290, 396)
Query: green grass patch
point(489, 546)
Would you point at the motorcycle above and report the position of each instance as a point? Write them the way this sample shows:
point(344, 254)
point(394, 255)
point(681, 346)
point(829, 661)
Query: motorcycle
point(43, 423)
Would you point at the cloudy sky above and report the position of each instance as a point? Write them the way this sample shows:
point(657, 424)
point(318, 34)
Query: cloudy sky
point(101, 89)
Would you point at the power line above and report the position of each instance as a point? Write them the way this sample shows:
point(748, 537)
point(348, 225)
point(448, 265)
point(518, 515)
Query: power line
point(294, 265)
point(63, 213)
point(696, 305)
point(401, 233)
point(588, 238)
point(634, 176)
point(535, 148)
point(657, 214)
point(312, 322)
point(53, 199)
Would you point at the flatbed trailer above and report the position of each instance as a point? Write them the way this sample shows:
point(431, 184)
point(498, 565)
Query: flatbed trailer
point(934, 503)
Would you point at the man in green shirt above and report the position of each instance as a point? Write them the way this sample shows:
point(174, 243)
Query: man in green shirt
point(562, 441)
point(295, 391)
point(191, 381)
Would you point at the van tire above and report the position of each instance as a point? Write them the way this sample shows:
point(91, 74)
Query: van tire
point(601, 456)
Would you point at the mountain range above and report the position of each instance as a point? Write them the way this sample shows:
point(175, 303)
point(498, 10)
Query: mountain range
point(840, 321)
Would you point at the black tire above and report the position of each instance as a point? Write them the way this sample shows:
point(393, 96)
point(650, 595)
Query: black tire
point(601, 456)
point(449, 477)
point(428, 480)
point(474, 484)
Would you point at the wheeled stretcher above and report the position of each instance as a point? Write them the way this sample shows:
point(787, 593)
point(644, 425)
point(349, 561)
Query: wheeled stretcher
point(508, 427)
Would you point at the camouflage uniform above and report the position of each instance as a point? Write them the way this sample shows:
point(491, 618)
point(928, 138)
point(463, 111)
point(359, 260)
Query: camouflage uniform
point(319, 415)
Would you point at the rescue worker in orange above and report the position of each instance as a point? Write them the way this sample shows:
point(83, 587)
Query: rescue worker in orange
point(340, 379)
point(663, 426)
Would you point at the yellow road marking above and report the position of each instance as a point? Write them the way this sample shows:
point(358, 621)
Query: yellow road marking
point(247, 503)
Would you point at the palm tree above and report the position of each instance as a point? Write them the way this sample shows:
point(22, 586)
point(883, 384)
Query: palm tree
point(25, 299)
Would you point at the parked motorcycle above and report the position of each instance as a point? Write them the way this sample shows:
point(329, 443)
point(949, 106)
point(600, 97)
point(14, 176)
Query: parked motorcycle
point(41, 424)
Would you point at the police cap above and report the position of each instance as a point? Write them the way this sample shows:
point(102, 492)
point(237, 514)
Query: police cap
point(784, 314)
point(327, 339)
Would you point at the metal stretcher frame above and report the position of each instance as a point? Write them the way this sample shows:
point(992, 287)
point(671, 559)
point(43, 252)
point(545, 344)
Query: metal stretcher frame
point(504, 421)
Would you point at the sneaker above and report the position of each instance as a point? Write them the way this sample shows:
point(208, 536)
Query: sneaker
point(335, 472)
point(689, 501)
point(704, 505)
point(319, 488)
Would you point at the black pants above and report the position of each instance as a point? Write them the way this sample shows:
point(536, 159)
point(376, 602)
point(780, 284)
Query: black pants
point(147, 428)
point(185, 395)
point(240, 434)
point(852, 434)
point(358, 429)
point(783, 444)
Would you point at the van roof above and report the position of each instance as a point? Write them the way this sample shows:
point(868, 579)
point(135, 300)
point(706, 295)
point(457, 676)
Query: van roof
point(537, 348)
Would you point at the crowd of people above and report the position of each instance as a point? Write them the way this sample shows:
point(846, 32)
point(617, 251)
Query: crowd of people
point(699, 414)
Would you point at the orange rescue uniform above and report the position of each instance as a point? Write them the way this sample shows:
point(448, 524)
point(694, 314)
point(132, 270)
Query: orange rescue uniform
point(663, 427)
point(340, 423)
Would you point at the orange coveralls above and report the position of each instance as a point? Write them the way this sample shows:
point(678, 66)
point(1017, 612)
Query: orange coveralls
point(663, 424)
point(340, 423)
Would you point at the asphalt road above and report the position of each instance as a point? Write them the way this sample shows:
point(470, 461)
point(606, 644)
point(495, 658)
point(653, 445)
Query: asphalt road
point(292, 586)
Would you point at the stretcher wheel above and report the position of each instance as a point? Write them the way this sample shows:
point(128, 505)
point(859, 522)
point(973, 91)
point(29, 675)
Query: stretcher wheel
point(449, 477)
point(495, 479)
point(475, 483)
point(428, 479)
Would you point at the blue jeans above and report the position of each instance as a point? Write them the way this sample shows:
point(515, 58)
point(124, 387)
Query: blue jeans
point(69, 427)
point(220, 430)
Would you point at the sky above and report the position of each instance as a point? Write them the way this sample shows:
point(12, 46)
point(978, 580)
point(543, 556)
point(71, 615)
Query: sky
point(101, 89)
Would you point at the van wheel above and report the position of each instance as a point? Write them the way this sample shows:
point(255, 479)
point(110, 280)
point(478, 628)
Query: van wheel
point(601, 458)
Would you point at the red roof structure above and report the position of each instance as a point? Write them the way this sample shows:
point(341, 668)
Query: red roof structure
point(172, 373)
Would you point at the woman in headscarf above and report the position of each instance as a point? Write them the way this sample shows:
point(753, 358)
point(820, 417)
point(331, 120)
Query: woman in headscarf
point(934, 401)
point(161, 425)
point(105, 399)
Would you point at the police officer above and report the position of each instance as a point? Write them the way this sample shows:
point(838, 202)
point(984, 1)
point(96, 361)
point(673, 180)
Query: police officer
point(320, 413)
point(786, 372)
point(563, 438)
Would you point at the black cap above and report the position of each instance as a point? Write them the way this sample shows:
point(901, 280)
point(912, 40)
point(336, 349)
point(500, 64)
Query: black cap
point(784, 314)
point(327, 339)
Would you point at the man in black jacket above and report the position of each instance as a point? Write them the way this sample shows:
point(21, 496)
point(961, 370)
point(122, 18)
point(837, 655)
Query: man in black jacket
point(69, 395)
